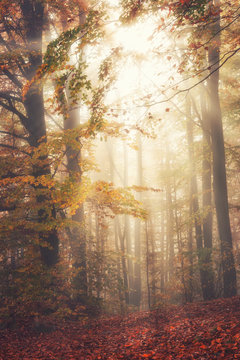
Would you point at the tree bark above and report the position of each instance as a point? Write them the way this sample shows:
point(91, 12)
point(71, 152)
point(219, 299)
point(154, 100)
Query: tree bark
point(127, 234)
point(189, 287)
point(219, 168)
point(137, 265)
point(194, 203)
point(162, 248)
point(78, 234)
point(32, 12)
point(152, 262)
point(209, 292)
point(170, 219)
point(122, 236)
point(148, 267)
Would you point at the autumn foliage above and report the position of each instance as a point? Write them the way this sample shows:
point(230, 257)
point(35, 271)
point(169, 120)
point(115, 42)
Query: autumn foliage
point(198, 331)
point(111, 191)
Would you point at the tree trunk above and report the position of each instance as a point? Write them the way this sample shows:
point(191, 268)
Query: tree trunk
point(177, 216)
point(162, 248)
point(117, 234)
point(219, 169)
point(99, 263)
point(207, 204)
point(127, 234)
point(78, 236)
point(194, 204)
point(137, 265)
point(120, 282)
point(189, 287)
point(170, 219)
point(148, 266)
point(33, 12)
point(153, 262)
point(121, 236)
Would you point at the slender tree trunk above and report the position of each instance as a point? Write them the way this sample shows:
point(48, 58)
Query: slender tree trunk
point(207, 204)
point(129, 258)
point(148, 266)
point(120, 282)
point(137, 265)
point(162, 248)
point(166, 246)
point(127, 233)
point(153, 262)
point(121, 236)
point(189, 292)
point(180, 244)
point(99, 263)
point(194, 200)
point(90, 251)
point(116, 238)
point(219, 169)
point(170, 219)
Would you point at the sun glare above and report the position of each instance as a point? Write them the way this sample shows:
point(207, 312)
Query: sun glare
point(135, 38)
point(141, 70)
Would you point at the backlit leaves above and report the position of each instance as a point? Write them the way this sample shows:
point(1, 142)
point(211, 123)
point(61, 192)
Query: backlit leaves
point(118, 200)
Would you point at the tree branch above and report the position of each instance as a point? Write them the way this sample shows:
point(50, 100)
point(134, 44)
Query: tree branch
point(8, 96)
point(53, 120)
point(15, 46)
point(12, 109)
point(13, 78)
point(14, 135)
point(7, 146)
point(233, 52)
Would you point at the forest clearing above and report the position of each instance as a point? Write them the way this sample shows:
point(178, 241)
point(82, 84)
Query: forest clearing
point(119, 179)
point(195, 331)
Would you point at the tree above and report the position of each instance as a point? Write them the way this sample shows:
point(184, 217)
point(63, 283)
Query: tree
point(219, 169)
point(207, 201)
point(21, 42)
point(202, 251)
point(74, 158)
point(204, 17)
point(137, 243)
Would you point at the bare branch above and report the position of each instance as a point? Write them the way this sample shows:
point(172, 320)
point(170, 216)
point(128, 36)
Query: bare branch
point(14, 148)
point(9, 96)
point(233, 52)
point(53, 120)
point(11, 108)
point(13, 78)
point(14, 135)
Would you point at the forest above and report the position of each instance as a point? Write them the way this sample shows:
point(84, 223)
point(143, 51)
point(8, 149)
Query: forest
point(119, 179)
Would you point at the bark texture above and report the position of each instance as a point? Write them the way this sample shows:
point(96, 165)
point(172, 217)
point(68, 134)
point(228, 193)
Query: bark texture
point(219, 168)
point(33, 13)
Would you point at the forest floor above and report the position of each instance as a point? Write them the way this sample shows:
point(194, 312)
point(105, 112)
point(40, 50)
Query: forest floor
point(205, 330)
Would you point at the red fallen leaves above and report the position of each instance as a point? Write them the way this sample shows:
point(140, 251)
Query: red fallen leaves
point(197, 331)
point(147, 355)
